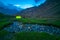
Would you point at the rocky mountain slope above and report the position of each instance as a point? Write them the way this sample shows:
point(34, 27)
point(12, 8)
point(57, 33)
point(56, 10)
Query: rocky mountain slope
point(50, 9)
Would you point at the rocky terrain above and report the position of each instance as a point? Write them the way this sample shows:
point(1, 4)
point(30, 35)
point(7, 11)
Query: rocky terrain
point(50, 9)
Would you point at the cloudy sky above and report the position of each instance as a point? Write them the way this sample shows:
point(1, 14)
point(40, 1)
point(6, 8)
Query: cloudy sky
point(23, 3)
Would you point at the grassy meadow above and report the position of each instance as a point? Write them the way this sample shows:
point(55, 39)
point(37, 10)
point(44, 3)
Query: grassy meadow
point(28, 36)
point(5, 20)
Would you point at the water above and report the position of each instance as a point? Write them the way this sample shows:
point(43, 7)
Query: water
point(19, 27)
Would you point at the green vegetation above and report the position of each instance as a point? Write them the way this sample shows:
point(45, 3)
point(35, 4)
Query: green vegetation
point(44, 21)
point(4, 24)
point(3, 33)
point(28, 36)
point(35, 36)
point(5, 20)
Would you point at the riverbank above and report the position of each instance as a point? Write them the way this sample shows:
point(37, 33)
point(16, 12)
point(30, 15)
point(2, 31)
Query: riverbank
point(44, 21)
point(5, 20)
point(4, 24)
point(20, 27)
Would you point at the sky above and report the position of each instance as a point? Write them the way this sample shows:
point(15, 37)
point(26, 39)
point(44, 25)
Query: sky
point(14, 6)
point(23, 3)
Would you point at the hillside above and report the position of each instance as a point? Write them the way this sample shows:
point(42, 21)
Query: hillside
point(50, 9)
point(8, 9)
point(47, 13)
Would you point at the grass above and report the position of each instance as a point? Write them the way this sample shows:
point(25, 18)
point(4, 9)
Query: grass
point(3, 33)
point(4, 24)
point(43, 21)
point(29, 36)
point(35, 36)
point(5, 20)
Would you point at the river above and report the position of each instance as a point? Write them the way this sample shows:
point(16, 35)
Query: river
point(20, 27)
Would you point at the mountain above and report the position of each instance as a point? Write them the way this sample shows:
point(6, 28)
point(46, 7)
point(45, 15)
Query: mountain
point(50, 9)
point(8, 9)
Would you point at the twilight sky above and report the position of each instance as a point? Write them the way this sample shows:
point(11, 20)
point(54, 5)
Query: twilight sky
point(23, 3)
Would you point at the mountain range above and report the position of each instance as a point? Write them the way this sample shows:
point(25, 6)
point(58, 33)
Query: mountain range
point(50, 9)
point(8, 9)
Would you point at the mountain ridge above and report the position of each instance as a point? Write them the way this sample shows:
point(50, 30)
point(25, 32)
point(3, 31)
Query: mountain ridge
point(9, 9)
point(49, 9)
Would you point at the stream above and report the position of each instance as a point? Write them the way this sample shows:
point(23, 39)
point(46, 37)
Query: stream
point(20, 27)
